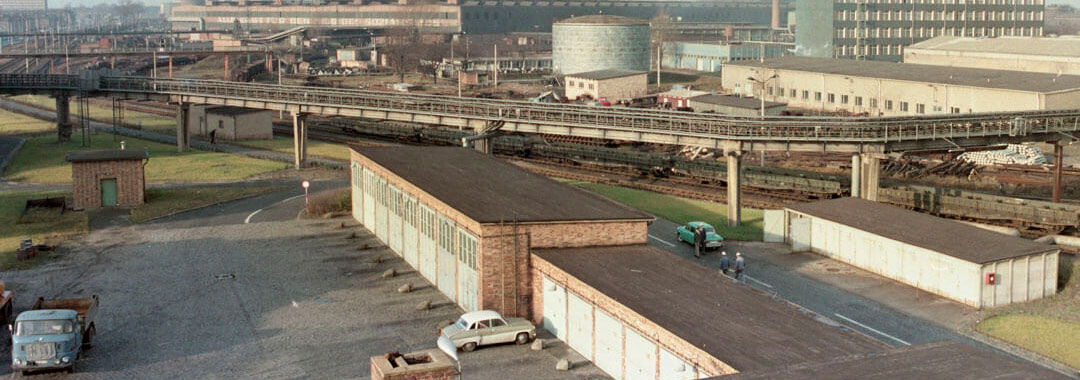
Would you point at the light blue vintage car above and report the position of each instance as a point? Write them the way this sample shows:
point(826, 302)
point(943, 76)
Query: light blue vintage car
point(712, 239)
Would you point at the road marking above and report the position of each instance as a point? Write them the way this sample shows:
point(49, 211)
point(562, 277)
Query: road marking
point(872, 329)
point(661, 240)
point(248, 219)
point(759, 282)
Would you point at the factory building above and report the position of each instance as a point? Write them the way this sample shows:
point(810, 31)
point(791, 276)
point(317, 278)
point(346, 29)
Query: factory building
point(709, 57)
point(23, 5)
point(967, 264)
point(600, 42)
point(734, 105)
point(467, 221)
point(469, 16)
point(613, 85)
point(880, 30)
point(895, 89)
point(238, 123)
point(1060, 55)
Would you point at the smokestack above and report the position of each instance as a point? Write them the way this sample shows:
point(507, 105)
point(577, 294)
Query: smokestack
point(776, 14)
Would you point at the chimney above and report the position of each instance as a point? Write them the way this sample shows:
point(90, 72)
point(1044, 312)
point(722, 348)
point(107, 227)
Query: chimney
point(776, 14)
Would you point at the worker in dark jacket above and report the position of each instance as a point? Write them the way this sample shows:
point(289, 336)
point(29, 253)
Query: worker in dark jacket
point(724, 263)
point(699, 240)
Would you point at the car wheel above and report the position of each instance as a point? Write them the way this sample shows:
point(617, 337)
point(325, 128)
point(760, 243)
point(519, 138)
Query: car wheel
point(71, 368)
point(522, 338)
point(469, 347)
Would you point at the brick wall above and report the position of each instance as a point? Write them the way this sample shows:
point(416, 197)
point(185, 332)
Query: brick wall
point(438, 367)
point(503, 270)
point(681, 348)
point(86, 182)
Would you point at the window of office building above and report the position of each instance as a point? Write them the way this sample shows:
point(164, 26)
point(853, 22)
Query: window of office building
point(832, 98)
point(903, 107)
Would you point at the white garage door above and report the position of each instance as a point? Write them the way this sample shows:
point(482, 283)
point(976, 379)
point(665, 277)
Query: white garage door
point(394, 217)
point(428, 248)
point(447, 264)
point(369, 200)
point(357, 194)
point(609, 344)
point(580, 332)
point(674, 368)
point(555, 309)
point(409, 236)
point(382, 198)
point(468, 287)
point(640, 357)
point(800, 233)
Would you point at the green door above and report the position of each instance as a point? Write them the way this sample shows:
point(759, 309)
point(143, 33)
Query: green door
point(108, 192)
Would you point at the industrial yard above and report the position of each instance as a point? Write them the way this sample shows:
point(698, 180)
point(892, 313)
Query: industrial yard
point(634, 190)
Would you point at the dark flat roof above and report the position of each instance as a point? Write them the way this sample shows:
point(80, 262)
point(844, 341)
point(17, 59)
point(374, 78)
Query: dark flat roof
point(968, 243)
point(491, 190)
point(737, 325)
point(734, 101)
point(107, 155)
point(946, 360)
point(606, 74)
point(233, 111)
point(604, 20)
point(959, 76)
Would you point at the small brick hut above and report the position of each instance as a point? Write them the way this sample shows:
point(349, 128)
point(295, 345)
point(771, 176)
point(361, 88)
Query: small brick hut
point(106, 178)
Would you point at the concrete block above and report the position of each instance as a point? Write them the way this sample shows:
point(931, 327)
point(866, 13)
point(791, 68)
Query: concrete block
point(537, 345)
point(404, 288)
point(423, 305)
point(562, 365)
point(389, 273)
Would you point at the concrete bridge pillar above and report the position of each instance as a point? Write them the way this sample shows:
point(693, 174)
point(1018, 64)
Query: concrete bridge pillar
point(870, 176)
point(63, 117)
point(1058, 162)
point(733, 152)
point(183, 138)
point(856, 172)
point(299, 139)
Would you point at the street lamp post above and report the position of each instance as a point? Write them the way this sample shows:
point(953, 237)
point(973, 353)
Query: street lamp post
point(761, 95)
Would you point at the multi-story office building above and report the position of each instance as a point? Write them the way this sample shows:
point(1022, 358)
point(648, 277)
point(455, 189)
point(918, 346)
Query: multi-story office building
point(880, 29)
point(23, 5)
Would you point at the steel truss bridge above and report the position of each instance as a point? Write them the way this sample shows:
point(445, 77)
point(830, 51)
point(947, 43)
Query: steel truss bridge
point(867, 138)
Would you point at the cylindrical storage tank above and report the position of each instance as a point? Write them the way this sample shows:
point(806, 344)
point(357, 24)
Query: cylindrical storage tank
point(599, 42)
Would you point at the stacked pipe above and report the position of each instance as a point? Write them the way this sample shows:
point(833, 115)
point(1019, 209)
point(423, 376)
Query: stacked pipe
point(1012, 154)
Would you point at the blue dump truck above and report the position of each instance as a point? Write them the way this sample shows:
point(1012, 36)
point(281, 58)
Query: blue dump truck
point(52, 334)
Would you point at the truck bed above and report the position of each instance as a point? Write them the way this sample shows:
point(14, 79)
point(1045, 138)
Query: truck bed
point(80, 305)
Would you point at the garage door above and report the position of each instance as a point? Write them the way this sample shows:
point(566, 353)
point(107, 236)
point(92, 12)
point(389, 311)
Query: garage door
point(609, 344)
point(409, 239)
point(357, 194)
point(800, 233)
point(369, 200)
point(580, 330)
point(555, 309)
point(427, 247)
point(468, 287)
point(674, 368)
point(640, 357)
point(394, 217)
point(447, 264)
point(381, 197)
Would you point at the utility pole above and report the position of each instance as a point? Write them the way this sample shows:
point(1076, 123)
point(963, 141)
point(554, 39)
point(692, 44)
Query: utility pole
point(761, 95)
point(658, 63)
point(496, 65)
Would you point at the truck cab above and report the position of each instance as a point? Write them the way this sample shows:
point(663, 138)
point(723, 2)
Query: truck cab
point(52, 333)
point(45, 339)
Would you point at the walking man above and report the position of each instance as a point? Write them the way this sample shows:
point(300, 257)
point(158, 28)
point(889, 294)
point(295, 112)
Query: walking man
point(740, 267)
point(213, 136)
point(724, 263)
point(699, 240)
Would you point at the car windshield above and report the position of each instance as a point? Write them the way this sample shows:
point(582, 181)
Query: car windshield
point(461, 324)
point(709, 229)
point(53, 326)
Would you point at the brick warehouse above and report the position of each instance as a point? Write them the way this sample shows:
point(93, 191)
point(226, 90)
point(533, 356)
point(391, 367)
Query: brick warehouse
point(467, 221)
point(105, 178)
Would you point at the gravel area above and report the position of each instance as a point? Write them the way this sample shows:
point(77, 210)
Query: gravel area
point(272, 300)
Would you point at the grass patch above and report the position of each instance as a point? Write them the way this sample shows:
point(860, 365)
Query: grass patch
point(18, 124)
point(682, 210)
point(1054, 338)
point(41, 160)
point(285, 145)
point(162, 202)
point(324, 202)
point(46, 227)
point(104, 114)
